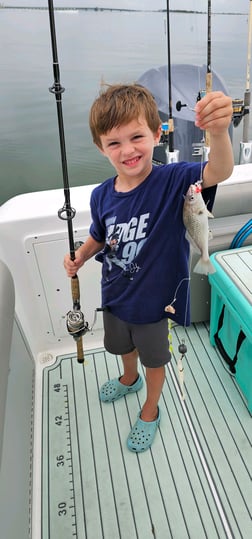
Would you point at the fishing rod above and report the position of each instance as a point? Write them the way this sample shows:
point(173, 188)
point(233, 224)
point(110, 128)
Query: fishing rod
point(76, 324)
point(202, 148)
point(247, 89)
point(171, 124)
point(246, 145)
point(172, 154)
point(209, 77)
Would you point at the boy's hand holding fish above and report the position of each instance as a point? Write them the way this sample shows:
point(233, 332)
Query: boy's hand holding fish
point(214, 113)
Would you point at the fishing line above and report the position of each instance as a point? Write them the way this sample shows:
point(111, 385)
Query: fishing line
point(197, 18)
point(182, 348)
point(169, 308)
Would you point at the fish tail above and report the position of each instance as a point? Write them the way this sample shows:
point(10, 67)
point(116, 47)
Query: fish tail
point(204, 267)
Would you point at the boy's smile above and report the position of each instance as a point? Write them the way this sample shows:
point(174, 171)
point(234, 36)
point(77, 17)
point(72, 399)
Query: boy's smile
point(129, 148)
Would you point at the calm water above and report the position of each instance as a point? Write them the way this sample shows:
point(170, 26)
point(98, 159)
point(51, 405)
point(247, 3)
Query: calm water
point(92, 46)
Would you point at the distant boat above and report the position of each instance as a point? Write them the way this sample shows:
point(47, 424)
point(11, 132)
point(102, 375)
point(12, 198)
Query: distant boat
point(187, 80)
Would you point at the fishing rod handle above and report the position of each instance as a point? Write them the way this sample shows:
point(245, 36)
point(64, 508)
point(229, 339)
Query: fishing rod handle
point(80, 351)
point(209, 82)
point(171, 125)
point(75, 288)
point(208, 89)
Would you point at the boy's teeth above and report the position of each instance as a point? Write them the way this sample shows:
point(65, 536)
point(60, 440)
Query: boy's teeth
point(131, 161)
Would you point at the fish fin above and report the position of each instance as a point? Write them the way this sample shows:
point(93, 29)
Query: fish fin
point(209, 214)
point(204, 267)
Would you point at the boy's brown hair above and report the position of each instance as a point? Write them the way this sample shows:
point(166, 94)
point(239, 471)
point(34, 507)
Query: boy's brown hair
point(118, 105)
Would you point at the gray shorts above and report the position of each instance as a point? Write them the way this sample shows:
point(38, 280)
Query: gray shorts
point(151, 340)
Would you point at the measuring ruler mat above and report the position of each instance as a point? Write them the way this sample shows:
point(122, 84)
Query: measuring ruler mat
point(62, 436)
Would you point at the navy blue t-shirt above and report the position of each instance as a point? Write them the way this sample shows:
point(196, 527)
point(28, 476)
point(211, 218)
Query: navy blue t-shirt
point(145, 258)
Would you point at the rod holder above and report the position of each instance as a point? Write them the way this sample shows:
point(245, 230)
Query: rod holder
point(245, 155)
point(172, 157)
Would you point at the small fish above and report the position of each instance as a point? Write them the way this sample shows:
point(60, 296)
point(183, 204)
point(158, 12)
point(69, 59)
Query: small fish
point(195, 218)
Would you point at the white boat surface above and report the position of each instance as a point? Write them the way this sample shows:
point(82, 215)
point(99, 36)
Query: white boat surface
point(65, 470)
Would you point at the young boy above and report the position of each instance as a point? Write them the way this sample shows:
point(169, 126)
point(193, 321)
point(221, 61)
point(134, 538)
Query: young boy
point(138, 231)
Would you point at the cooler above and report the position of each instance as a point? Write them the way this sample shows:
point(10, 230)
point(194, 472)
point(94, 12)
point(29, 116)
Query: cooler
point(231, 313)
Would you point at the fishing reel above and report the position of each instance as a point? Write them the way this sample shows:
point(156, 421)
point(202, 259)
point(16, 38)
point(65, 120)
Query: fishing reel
point(239, 110)
point(76, 324)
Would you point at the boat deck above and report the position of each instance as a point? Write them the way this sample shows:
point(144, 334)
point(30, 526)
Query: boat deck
point(195, 481)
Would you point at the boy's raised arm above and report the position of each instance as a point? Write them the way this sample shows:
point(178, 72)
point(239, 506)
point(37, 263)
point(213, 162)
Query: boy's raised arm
point(214, 114)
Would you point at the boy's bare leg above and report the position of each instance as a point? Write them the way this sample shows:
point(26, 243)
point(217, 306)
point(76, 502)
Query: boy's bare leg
point(154, 382)
point(130, 372)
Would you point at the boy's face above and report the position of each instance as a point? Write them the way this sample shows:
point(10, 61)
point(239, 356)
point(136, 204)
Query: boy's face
point(129, 149)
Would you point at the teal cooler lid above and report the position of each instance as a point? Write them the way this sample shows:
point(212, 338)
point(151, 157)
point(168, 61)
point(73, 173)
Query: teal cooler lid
point(237, 265)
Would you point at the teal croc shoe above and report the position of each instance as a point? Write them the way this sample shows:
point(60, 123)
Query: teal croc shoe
point(142, 434)
point(113, 390)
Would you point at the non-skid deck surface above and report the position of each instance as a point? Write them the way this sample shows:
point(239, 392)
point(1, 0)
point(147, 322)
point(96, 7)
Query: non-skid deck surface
point(194, 483)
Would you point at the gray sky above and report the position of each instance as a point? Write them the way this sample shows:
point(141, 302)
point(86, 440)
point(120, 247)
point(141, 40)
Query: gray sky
point(241, 6)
